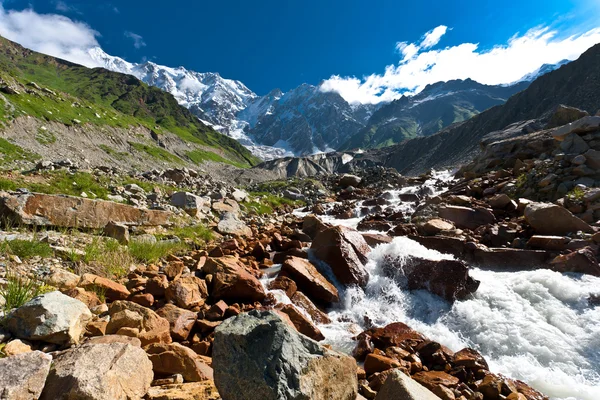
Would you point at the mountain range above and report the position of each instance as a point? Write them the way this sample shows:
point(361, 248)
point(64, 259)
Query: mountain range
point(307, 119)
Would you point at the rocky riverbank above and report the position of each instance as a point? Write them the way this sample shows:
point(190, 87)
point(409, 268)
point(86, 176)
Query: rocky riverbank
point(174, 286)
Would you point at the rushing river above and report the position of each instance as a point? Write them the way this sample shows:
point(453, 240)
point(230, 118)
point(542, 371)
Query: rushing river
point(535, 326)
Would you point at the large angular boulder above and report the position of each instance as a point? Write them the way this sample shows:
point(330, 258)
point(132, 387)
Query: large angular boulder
point(22, 377)
point(448, 279)
point(345, 251)
point(583, 125)
point(75, 212)
point(52, 317)
point(192, 204)
point(173, 358)
point(466, 217)
point(131, 319)
point(231, 281)
point(230, 224)
point(115, 371)
point(552, 219)
point(309, 280)
point(399, 386)
point(583, 261)
point(256, 355)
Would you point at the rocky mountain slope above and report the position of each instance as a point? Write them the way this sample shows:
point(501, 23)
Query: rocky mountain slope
point(50, 106)
point(436, 107)
point(575, 84)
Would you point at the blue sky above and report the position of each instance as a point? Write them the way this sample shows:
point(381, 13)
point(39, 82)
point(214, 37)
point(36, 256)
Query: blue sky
point(281, 44)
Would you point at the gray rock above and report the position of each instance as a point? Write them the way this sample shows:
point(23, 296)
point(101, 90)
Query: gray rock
point(288, 194)
point(117, 231)
point(133, 188)
point(578, 160)
point(583, 125)
point(115, 371)
point(257, 355)
point(592, 159)
point(230, 224)
point(350, 180)
point(192, 204)
point(399, 386)
point(574, 144)
point(22, 377)
point(239, 195)
point(52, 317)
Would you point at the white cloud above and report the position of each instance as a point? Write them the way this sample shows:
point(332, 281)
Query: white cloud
point(501, 64)
point(433, 37)
point(138, 40)
point(51, 34)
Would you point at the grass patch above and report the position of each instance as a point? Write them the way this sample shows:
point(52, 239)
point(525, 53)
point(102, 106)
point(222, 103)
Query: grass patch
point(8, 184)
point(576, 194)
point(200, 156)
point(199, 234)
point(11, 152)
point(147, 252)
point(44, 136)
point(19, 290)
point(26, 249)
point(157, 153)
point(120, 155)
point(105, 257)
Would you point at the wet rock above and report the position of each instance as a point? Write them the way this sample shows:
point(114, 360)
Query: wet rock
point(174, 358)
point(432, 379)
point(399, 386)
point(443, 244)
point(187, 292)
point(395, 334)
point(448, 279)
point(131, 319)
point(285, 284)
point(312, 225)
point(345, 251)
point(257, 355)
point(23, 376)
point(300, 300)
point(552, 219)
point(112, 290)
point(583, 261)
point(374, 239)
point(309, 280)
point(181, 321)
point(301, 322)
point(52, 317)
point(231, 281)
point(510, 259)
point(230, 224)
point(75, 212)
point(98, 372)
point(467, 218)
point(350, 180)
point(436, 226)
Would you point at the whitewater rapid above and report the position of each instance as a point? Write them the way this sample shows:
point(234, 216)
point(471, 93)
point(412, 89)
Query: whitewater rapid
point(536, 326)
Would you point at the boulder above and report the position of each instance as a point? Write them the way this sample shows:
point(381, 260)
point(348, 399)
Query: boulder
point(552, 219)
point(231, 280)
point(510, 259)
point(173, 358)
point(181, 321)
point(115, 371)
point(399, 386)
point(230, 224)
point(375, 239)
point(300, 300)
point(448, 279)
point(443, 244)
point(396, 334)
point(302, 324)
point(52, 317)
point(257, 355)
point(62, 279)
point(75, 212)
point(187, 292)
point(552, 243)
point(350, 180)
point(436, 381)
point(592, 159)
point(131, 319)
point(309, 280)
point(311, 225)
point(112, 290)
point(466, 217)
point(23, 376)
point(15, 347)
point(435, 226)
point(583, 125)
point(345, 251)
point(192, 204)
point(239, 195)
point(117, 231)
point(499, 201)
point(184, 391)
point(583, 261)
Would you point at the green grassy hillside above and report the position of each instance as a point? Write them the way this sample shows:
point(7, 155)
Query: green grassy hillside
point(56, 90)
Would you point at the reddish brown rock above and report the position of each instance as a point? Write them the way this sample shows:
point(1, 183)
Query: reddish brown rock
point(144, 299)
point(231, 281)
point(181, 321)
point(285, 284)
point(395, 334)
point(112, 290)
point(187, 292)
point(131, 319)
point(174, 269)
point(448, 279)
point(301, 323)
point(431, 379)
point(217, 311)
point(300, 300)
point(312, 225)
point(173, 358)
point(436, 225)
point(583, 261)
point(374, 239)
point(378, 363)
point(310, 280)
point(470, 359)
point(553, 243)
point(443, 244)
point(552, 219)
point(345, 251)
point(75, 212)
